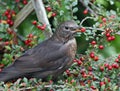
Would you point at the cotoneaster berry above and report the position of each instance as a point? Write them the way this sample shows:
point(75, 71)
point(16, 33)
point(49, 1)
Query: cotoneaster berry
point(34, 22)
point(92, 55)
point(104, 19)
point(83, 29)
point(93, 42)
point(49, 8)
point(101, 47)
point(102, 83)
point(54, 14)
point(85, 11)
point(96, 58)
point(101, 68)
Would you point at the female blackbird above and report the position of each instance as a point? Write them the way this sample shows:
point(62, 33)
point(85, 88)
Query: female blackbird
point(49, 58)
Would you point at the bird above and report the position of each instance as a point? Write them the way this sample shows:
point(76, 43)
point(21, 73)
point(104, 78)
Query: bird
point(49, 58)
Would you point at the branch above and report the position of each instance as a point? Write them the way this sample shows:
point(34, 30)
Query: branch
point(42, 16)
point(89, 9)
point(85, 20)
point(90, 28)
point(21, 16)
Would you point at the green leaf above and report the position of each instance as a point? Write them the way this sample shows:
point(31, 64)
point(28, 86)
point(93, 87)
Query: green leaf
point(74, 3)
point(49, 14)
point(67, 7)
point(75, 10)
point(8, 47)
point(25, 80)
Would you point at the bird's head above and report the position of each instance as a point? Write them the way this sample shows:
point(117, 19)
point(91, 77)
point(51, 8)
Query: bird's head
point(67, 30)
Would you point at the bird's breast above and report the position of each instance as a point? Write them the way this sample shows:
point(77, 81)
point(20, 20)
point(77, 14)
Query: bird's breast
point(72, 47)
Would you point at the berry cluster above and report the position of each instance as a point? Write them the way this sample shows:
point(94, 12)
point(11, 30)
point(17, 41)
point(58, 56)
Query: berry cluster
point(49, 9)
point(40, 27)
point(9, 15)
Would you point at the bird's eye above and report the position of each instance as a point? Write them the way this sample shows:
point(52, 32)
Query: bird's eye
point(66, 28)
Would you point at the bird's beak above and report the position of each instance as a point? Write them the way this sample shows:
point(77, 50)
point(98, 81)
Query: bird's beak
point(77, 29)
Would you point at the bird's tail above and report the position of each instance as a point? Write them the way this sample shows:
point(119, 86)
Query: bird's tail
point(8, 74)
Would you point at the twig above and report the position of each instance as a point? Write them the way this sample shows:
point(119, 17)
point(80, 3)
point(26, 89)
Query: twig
point(94, 6)
point(91, 11)
point(91, 28)
point(46, 86)
point(85, 20)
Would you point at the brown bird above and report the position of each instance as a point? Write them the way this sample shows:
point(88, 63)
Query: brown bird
point(49, 58)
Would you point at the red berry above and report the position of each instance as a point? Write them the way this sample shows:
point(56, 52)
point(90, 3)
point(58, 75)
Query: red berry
point(96, 58)
point(102, 83)
point(104, 19)
point(34, 22)
point(9, 16)
point(25, 2)
point(74, 60)
point(82, 58)
point(114, 65)
point(8, 21)
point(106, 64)
point(79, 62)
point(93, 42)
point(43, 27)
point(107, 34)
point(72, 81)
point(84, 75)
point(101, 47)
point(68, 72)
point(108, 79)
point(7, 43)
point(109, 67)
point(11, 23)
point(30, 36)
point(90, 73)
point(90, 68)
point(85, 11)
point(101, 25)
point(117, 60)
point(92, 55)
point(0, 39)
point(112, 37)
point(119, 56)
point(27, 42)
point(109, 38)
point(102, 68)
point(82, 83)
point(6, 13)
point(92, 87)
point(82, 29)
point(54, 14)
point(38, 26)
point(48, 8)
point(82, 71)
point(13, 12)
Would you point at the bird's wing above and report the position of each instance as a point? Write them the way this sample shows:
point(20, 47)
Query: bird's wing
point(41, 58)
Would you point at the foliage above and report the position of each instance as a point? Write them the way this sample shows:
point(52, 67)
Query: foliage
point(97, 70)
